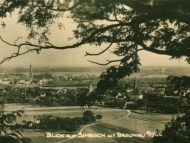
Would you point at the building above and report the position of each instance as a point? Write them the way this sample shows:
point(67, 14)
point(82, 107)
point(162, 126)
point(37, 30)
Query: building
point(30, 72)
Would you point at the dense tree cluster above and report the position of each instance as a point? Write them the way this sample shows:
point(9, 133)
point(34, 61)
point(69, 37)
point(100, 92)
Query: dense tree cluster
point(64, 123)
point(115, 102)
point(158, 103)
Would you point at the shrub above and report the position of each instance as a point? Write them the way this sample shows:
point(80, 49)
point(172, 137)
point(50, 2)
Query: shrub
point(87, 119)
point(88, 113)
point(93, 118)
point(78, 120)
point(71, 126)
point(98, 117)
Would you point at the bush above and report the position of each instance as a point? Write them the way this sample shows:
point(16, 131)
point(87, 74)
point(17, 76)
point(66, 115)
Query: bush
point(93, 118)
point(87, 119)
point(132, 106)
point(98, 117)
point(71, 126)
point(88, 113)
point(78, 120)
point(68, 124)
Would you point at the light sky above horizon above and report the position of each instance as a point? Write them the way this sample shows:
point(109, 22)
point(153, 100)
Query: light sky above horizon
point(69, 57)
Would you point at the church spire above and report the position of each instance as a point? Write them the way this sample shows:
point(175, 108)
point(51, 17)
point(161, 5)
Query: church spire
point(31, 72)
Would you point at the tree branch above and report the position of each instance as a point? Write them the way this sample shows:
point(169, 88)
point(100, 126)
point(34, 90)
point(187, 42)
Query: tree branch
point(105, 63)
point(7, 42)
point(16, 55)
point(13, 55)
point(114, 36)
point(88, 54)
point(17, 40)
point(164, 52)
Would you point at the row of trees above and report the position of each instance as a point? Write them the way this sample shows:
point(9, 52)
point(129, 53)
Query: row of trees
point(153, 102)
point(158, 103)
point(68, 124)
point(68, 97)
point(52, 97)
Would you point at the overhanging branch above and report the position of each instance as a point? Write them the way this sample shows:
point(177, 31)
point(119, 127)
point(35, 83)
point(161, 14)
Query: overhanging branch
point(105, 63)
point(164, 52)
point(16, 55)
point(114, 36)
point(13, 55)
point(88, 54)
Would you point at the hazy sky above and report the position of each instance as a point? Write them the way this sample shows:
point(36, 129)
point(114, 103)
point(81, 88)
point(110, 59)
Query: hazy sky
point(70, 57)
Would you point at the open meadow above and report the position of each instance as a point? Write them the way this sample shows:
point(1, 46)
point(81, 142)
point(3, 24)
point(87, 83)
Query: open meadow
point(132, 124)
point(114, 121)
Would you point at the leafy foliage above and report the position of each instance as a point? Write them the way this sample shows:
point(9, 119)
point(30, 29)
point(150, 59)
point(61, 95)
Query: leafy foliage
point(177, 130)
point(62, 123)
point(88, 113)
point(179, 83)
point(98, 117)
point(88, 117)
point(8, 129)
point(159, 103)
point(129, 26)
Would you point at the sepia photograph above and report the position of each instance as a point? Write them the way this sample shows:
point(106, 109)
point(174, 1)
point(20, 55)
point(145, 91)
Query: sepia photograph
point(94, 71)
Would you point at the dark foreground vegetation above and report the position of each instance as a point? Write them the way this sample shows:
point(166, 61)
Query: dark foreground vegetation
point(176, 131)
point(10, 132)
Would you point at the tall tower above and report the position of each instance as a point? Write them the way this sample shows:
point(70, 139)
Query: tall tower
point(30, 72)
point(135, 85)
point(90, 88)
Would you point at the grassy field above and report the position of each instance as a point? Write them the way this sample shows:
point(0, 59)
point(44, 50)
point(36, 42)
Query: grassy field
point(134, 123)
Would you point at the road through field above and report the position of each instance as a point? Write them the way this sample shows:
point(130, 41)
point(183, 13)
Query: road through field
point(131, 124)
point(39, 136)
point(114, 121)
point(87, 126)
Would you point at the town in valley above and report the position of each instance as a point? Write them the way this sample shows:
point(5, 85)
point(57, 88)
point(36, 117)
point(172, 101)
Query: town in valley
point(47, 96)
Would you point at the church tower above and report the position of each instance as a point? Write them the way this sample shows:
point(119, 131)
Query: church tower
point(90, 88)
point(31, 72)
